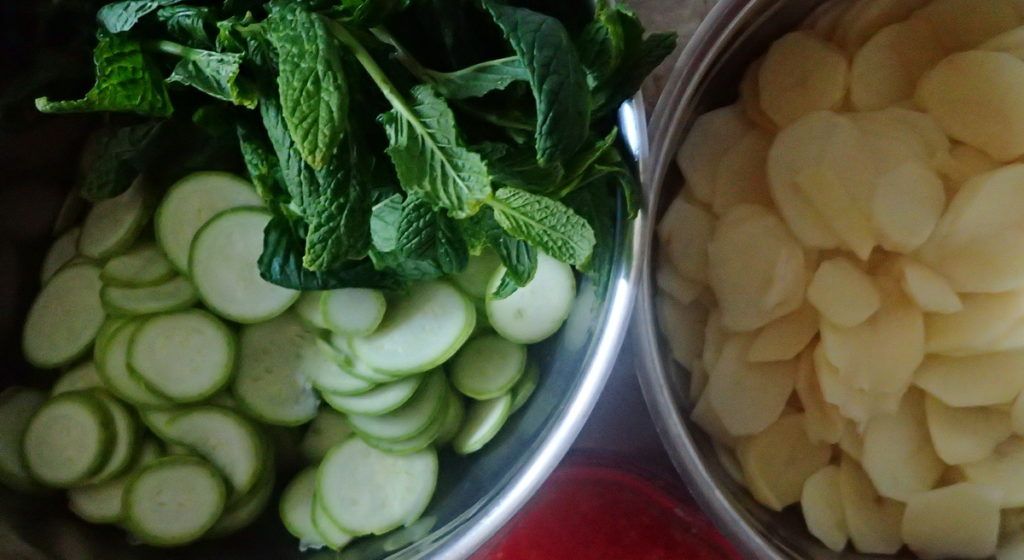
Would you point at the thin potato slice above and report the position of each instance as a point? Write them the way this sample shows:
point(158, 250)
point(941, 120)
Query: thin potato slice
point(907, 204)
point(748, 397)
point(1002, 471)
point(965, 24)
point(843, 294)
point(1008, 42)
point(755, 267)
point(750, 98)
point(710, 422)
point(712, 135)
point(965, 434)
point(975, 96)
point(684, 232)
point(870, 17)
point(822, 504)
point(898, 453)
point(958, 521)
point(874, 522)
point(886, 69)
point(678, 288)
point(964, 163)
point(927, 129)
point(929, 289)
point(982, 380)
point(714, 339)
point(785, 337)
point(826, 19)
point(778, 461)
point(1017, 416)
point(1011, 548)
point(978, 327)
point(683, 326)
point(801, 74)
point(838, 207)
point(851, 441)
point(822, 420)
point(730, 464)
point(698, 380)
point(853, 403)
point(742, 177)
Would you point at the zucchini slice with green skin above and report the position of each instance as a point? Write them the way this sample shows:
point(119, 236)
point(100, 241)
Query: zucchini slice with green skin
point(173, 295)
point(17, 405)
point(425, 438)
point(365, 490)
point(112, 225)
point(65, 317)
point(352, 311)
point(524, 388)
point(104, 502)
point(60, 253)
point(112, 364)
point(173, 501)
point(328, 429)
point(483, 421)
point(83, 376)
point(307, 307)
point(454, 414)
point(382, 399)
point(488, 366)
point(223, 266)
point(186, 356)
point(411, 418)
point(339, 348)
point(537, 310)
point(296, 509)
point(420, 331)
point(332, 536)
point(247, 508)
point(158, 420)
point(269, 383)
point(190, 203)
point(126, 434)
point(228, 441)
point(475, 278)
point(329, 376)
point(143, 265)
point(68, 440)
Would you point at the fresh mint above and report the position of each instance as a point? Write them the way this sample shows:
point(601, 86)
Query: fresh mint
point(122, 16)
point(547, 224)
point(213, 73)
point(479, 79)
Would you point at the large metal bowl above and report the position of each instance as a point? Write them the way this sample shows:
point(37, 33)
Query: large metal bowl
point(475, 496)
point(706, 76)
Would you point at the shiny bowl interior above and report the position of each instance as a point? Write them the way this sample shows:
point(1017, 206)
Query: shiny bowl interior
point(707, 76)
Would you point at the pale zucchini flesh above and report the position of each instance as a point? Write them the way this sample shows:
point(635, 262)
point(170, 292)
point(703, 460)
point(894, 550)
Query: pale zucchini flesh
point(174, 501)
point(68, 440)
point(83, 376)
point(411, 418)
point(173, 295)
point(143, 265)
point(352, 311)
point(125, 437)
point(296, 509)
point(17, 405)
point(65, 317)
point(379, 400)
point(483, 421)
point(62, 251)
point(537, 310)
point(488, 366)
point(112, 364)
point(112, 225)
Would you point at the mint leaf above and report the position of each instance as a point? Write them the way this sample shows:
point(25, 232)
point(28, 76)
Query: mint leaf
point(425, 234)
point(547, 224)
point(216, 74)
point(313, 91)
point(338, 213)
point(430, 159)
point(118, 17)
point(598, 206)
point(514, 165)
point(125, 81)
point(601, 44)
point(370, 12)
point(118, 160)
point(557, 78)
point(260, 161)
point(188, 24)
point(384, 223)
point(298, 177)
point(479, 79)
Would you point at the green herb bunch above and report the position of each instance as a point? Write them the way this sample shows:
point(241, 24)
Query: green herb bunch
point(391, 139)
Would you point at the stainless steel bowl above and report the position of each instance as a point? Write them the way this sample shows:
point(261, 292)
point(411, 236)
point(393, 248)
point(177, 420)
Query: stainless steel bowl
point(706, 76)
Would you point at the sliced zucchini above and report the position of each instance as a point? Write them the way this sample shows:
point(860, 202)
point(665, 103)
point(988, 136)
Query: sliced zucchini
point(82, 376)
point(328, 429)
point(125, 438)
point(340, 350)
point(112, 364)
point(173, 501)
point(366, 491)
point(227, 440)
point(524, 388)
point(477, 275)
point(158, 420)
point(60, 253)
point(454, 414)
point(68, 440)
point(186, 356)
point(538, 309)
point(420, 331)
point(109, 326)
point(190, 203)
point(296, 509)
point(332, 536)
point(103, 502)
point(270, 384)
point(329, 376)
point(223, 267)
point(17, 405)
point(352, 311)
point(379, 400)
point(143, 265)
point(307, 307)
point(247, 508)
point(112, 225)
point(425, 438)
point(483, 421)
point(488, 366)
point(411, 418)
point(172, 295)
point(64, 318)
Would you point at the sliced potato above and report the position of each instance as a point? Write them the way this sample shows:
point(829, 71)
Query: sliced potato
point(834, 203)
point(933, 139)
point(856, 404)
point(870, 17)
point(785, 337)
point(851, 441)
point(929, 289)
point(1017, 416)
point(750, 98)
point(898, 453)
point(958, 521)
point(712, 135)
point(747, 396)
point(822, 504)
point(822, 420)
point(825, 20)
point(981, 380)
point(742, 177)
point(1009, 41)
point(1011, 548)
point(907, 204)
point(698, 380)
point(710, 422)
point(730, 464)
point(683, 326)
point(873, 521)
point(965, 24)
point(844, 294)
point(778, 461)
point(684, 232)
point(965, 434)
point(714, 338)
point(886, 69)
point(974, 97)
point(801, 74)
point(966, 162)
point(756, 268)
point(675, 286)
point(1001, 470)
point(978, 327)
